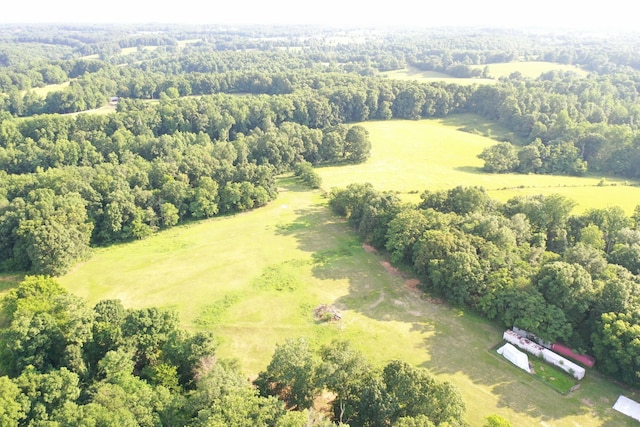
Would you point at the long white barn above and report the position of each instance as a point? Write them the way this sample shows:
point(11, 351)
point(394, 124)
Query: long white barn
point(537, 350)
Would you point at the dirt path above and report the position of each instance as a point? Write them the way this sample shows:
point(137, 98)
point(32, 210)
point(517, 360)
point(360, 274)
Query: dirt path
point(378, 301)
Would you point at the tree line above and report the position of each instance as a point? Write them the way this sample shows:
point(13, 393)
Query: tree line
point(561, 123)
point(72, 182)
point(64, 363)
point(527, 263)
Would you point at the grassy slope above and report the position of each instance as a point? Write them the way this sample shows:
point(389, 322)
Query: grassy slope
point(44, 91)
point(194, 267)
point(412, 156)
point(412, 73)
point(531, 69)
point(134, 49)
point(223, 274)
point(105, 109)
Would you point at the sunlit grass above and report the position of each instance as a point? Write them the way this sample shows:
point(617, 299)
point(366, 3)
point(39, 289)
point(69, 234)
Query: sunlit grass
point(105, 109)
point(409, 157)
point(531, 69)
point(183, 43)
point(412, 73)
point(254, 279)
point(44, 91)
point(134, 49)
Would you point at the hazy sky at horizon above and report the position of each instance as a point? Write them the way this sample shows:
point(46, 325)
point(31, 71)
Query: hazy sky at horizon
point(614, 14)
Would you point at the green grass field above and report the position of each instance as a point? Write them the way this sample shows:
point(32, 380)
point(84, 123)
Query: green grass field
point(134, 49)
point(43, 91)
point(183, 43)
point(255, 278)
point(531, 69)
point(412, 156)
point(412, 73)
point(105, 109)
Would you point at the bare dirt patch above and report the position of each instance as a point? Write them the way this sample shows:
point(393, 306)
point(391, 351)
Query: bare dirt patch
point(586, 401)
point(390, 269)
point(368, 248)
point(322, 403)
point(412, 284)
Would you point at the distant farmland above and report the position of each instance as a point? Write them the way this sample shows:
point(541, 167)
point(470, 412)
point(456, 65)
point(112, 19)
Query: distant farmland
point(412, 156)
point(412, 73)
point(531, 69)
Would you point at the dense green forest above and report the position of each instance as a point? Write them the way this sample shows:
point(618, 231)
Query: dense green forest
point(201, 128)
point(203, 119)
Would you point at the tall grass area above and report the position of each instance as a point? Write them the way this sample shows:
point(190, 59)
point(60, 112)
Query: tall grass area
point(412, 156)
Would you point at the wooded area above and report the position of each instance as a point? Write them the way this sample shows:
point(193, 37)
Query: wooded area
point(527, 263)
point(199, 123)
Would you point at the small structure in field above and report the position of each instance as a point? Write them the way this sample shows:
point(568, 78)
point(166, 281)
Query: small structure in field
point(326, 313)
point(629, 407)
point(549, 356)
point(524, 343)
point(585, 359)
point(576, 371)
point(515, 356)
point(531, 337)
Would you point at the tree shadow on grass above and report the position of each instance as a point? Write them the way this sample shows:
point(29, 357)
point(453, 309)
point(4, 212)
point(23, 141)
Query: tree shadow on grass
point(470, 169)
point(9, 281)
point(478, 125)
point(290, 183)
point(455, 343)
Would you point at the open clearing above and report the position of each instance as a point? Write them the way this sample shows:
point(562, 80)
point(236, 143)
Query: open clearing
point(44, 90)
point(105, 109)
point(412, 156)
point(134, 49)
point(255, 278)
point(183, 43)
point(412, 73)
point(531, 69)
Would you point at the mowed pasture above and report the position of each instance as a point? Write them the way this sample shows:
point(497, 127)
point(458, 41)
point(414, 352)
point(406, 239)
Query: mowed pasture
point(134, 49)
point(409, 157)
point(105, 109)
point(44, 90)
point(412, 73)
point(255, 278)
point(530, 69)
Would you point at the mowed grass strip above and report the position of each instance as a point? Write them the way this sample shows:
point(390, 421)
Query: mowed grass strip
point(409, 157)
point(223, 275)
